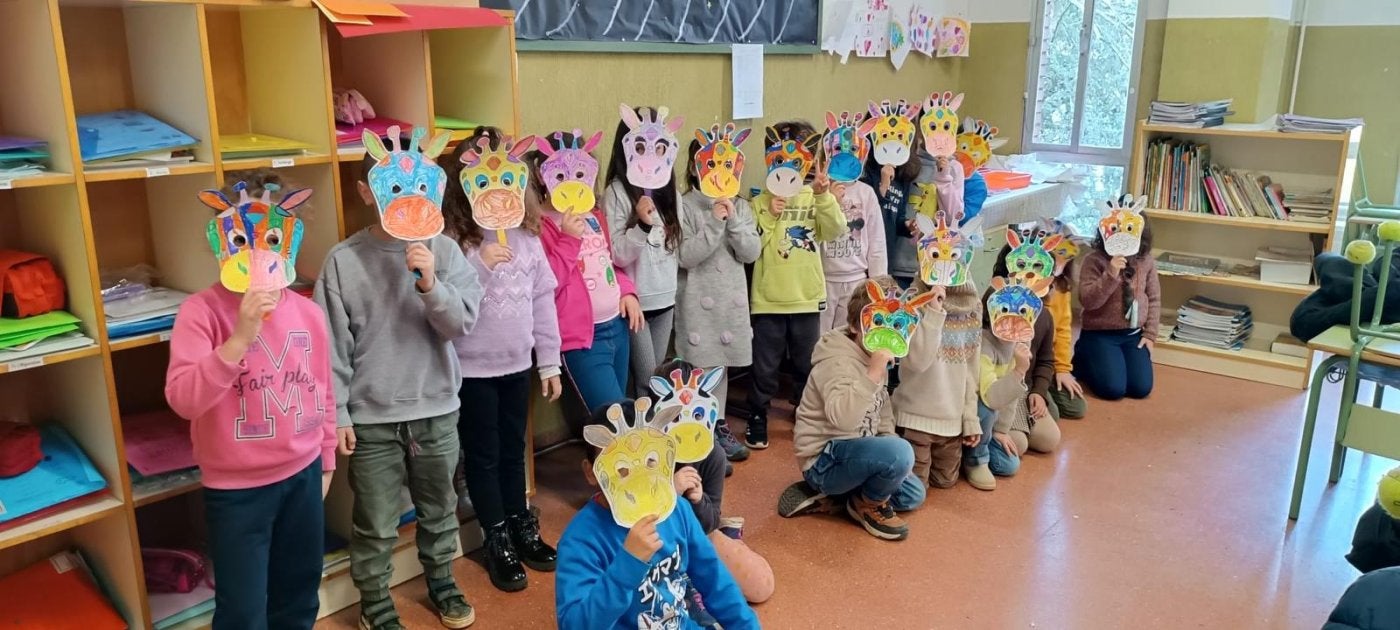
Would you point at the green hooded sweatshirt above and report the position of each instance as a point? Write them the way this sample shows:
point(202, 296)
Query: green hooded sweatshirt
point(787, 278)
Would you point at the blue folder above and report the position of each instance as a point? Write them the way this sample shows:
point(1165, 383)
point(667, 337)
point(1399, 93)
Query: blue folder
point(64, 474)
point(126, 133)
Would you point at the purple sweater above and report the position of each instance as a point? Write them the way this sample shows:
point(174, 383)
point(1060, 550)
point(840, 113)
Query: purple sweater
point(516, 316)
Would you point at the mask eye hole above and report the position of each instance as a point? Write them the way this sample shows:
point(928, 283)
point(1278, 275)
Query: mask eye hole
point(507, 179)
point(273, 238)
point(578, 175)
point(396, 189)
point(639, 147)
point(237, 239)
point(423, 188)
point(558, 177)
point(623, 471)
point(653, 460)
point(482, 181)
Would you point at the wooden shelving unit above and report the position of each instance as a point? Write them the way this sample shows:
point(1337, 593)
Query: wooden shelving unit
point(210, 69)
point(1308, 161)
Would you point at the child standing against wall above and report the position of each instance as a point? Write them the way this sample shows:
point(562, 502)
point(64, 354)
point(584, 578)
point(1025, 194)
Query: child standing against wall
point(860, 254)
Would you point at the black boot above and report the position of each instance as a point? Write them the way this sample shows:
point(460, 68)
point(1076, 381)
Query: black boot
point(502, 562)
point(525, 535)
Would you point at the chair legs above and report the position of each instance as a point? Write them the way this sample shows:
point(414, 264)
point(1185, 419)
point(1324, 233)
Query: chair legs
point(1309, 422)
point(1348, 400)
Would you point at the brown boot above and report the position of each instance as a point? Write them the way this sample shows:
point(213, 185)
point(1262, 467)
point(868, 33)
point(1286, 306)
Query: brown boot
point(878, 519)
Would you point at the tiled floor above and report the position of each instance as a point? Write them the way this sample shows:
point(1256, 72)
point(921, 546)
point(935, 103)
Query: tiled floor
point(1166, 513)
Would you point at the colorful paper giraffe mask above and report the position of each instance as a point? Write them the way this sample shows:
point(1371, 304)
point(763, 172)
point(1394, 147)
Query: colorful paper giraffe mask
point(720, 163)
point(939, 124)
point(255, 241)
point(889, 320)
point(895, 127)
point(650, 145)
point(694, 429)
point(495, 180)
point(570, 170)
point(1030, 261)
point(1064, 252)
point(637, 461)
point(975, 144)
point(407, 183)
point(1121, 228)
point(847, 143)
point(1012, 308)
point(789, 160)
point(946, 252)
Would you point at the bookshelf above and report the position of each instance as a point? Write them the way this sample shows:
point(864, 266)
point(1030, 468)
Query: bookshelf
point(212, 70)
point(1298, 161)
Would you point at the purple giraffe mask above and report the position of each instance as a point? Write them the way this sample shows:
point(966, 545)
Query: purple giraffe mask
point(650, 145)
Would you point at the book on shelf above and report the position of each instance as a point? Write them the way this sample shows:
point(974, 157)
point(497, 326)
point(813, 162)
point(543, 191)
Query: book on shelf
point(1294, 123)
point(1179, 175)
point(1194, 115)
point(1206, 322)
point(127, 134)
point(1186, 264)
point(1289, 345)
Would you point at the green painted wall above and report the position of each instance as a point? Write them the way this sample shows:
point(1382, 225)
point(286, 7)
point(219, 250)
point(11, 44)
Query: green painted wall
point(994, 78)
point(1242, 58)
point(1154, 34)
point(1351, 71)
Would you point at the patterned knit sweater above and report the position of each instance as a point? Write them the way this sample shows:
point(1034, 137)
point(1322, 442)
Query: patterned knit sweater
point(938, 381)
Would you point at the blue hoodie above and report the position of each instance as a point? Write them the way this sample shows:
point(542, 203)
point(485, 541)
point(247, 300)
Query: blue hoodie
point(598, 584)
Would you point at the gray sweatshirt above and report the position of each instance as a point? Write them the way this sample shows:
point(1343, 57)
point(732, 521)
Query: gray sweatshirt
point(393, 357)
point(712, 302)
point(642, 255)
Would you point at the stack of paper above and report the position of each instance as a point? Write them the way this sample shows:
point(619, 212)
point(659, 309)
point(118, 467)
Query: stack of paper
point(157, 443)
point(170, 609)
point(1206, 322)
point(64, 475)
point(22, 157)
point(1186, 264)
point(461, 129)
point(130, 138)
point(1197, 115)
point(258, 145)
point(71, 340)
point(57, 592)
point(21, 331)
point(1293, 123)
point(150, 311)
point(349, 136)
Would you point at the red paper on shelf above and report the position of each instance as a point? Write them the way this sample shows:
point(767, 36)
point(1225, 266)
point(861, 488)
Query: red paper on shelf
point(54, 594)
point(425, 18)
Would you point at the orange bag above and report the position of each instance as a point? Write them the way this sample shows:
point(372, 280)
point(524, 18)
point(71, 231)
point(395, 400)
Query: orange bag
point(29, 285)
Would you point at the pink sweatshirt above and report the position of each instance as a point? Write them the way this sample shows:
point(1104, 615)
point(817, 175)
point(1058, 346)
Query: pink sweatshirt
point(860, 254)
point(265, 418)
point(573, 299)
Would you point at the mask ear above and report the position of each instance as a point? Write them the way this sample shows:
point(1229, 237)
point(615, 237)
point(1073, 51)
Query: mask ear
point(712, 379)
point(1013, 237)
point(436, 145)
point(918, 302)
point(740, 137)
point(831, 122)
point(598, 435)
point(292, 200)
point(998, 283)
point(593, 141)
point(702, 138)
point(521, 147)
point(812, 143)
point(544, 146)
point(674, 124)
point(1051, 242)
point(215, 199)
point(956, 102)
point(868, 126)
point(373, 145)
point(660, 419)
point(875, 291)
point(629, 116)
point(874, 109)
point(660, 386)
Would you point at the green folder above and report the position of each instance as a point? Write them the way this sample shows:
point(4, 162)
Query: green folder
point(19, 331)
point(448, 122)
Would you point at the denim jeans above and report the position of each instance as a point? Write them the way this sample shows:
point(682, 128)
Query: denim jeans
point(878, 466)
point(988, 451)
point(599, 372)
point(1111, 365)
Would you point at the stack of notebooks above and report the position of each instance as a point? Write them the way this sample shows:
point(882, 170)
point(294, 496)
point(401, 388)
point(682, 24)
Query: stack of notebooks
point(1181, 176)
point(1206, 322)
point(124, 139)
point(144, 312)
point(1173, 263)
point(1196, 115)
point(1293, 123)
point(63, 478)
point(1309, 207)
point(259, 145)
point(349, 136)
point(22, 157)
point(55, 331)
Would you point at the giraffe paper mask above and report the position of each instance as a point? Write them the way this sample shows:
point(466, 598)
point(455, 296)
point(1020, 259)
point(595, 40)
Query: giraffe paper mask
point(694, 428)
point(719, 163)
point(975, 145)
point(637, 461)
point(1012, 308)
point(407, 183)
point(895, 126)
point(889, 320)
point(650, 145)
point(1064, 251)
point(1030, 261)
point(1121, 229)
point(847, 143)
point(255, 241)
point(570, 171)
point(495, 179)
point(939, 123)
point(789, 160)
point(946, 251)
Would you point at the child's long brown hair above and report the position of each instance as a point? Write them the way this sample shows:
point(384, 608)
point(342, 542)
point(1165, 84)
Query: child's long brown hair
point(457, 209)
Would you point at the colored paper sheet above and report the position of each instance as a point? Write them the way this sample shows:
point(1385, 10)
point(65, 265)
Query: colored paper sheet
point(746, 75)
point(425, 18)
point(360, 8)
point(64, 474)
point(344, 18)
point(58, 592)
point(157, 442)
point(873, 29)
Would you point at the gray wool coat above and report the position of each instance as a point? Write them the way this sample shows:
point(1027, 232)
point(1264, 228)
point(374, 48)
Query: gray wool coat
point(712, 299)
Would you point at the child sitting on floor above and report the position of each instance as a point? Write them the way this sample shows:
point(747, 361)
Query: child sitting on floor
point(1376, 544)
point(615, 576)
point(844, 435)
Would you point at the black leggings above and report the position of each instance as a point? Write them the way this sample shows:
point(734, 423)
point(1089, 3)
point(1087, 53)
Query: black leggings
point(492, 429)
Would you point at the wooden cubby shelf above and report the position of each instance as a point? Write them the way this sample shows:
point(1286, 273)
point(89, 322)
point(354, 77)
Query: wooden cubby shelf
point(1298, 161)
point(212, 70)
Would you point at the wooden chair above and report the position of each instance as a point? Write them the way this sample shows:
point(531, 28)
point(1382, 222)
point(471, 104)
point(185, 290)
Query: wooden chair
point(1364, 350)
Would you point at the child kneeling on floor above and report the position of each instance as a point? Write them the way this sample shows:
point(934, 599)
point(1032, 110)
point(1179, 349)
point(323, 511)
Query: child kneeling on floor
point(844, 435)
point(631, 555)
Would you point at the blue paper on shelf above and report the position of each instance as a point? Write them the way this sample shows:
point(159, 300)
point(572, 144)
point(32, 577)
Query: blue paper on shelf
point(154, 324)
point(112, 135)
point(64, 474)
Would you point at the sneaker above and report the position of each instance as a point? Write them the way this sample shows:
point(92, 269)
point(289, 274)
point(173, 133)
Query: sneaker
point(695, 605)
point(732, 526)
point(756, 433)
point(502, 563)
point(878, 519)
point(525, 536)
point(801, 498)
point(728, 469)
point(980, 477)
point(449, 602)
point(379, 615)
point(734, 450)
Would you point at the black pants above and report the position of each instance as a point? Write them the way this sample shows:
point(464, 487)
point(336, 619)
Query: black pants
point(492, 430)
point(776, 336)
point(266, 544)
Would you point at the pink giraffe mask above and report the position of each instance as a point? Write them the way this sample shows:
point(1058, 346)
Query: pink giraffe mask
point(570, 170)
point(650, 145)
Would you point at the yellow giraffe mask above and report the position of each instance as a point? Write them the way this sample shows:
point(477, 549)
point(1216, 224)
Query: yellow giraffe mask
point(637, 461)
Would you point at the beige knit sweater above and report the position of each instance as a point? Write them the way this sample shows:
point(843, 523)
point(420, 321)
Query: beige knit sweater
point(937, 391)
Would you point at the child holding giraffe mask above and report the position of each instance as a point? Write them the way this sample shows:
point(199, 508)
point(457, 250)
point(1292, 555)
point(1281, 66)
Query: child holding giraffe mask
point(861, 253)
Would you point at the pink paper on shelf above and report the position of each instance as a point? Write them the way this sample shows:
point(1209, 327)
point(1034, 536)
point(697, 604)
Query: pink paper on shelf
point(424, 18)
point(351, 134)
point(157, 442)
